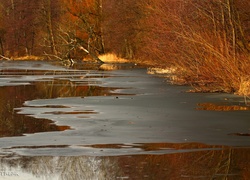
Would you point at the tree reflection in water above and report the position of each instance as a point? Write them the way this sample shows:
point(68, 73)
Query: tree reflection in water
point(18, 86)
point(63, 168)
point(205, 162)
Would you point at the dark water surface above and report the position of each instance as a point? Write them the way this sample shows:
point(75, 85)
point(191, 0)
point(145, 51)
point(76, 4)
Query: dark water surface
point(83, 122)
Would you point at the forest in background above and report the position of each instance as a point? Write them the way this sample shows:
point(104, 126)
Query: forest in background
point(207, 42)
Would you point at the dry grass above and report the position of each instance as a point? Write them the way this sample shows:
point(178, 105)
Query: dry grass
point(25, 58)
point(108, 67)
point(112, 58)
point(244, 87)
point(155, 70)
point(171, 73)
point(221, 107)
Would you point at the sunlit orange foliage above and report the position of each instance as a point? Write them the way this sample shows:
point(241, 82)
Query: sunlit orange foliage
point(206, 40)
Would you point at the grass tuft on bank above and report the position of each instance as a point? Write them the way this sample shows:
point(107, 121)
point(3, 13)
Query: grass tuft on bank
point(26, 58)
point(112, 58)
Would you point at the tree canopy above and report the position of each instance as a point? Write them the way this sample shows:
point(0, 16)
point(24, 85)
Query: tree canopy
point(132, 29)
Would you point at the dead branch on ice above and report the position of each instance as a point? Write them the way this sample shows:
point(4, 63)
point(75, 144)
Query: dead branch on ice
point(4, 57)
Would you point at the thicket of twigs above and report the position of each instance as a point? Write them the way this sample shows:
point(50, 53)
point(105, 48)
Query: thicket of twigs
point(207, 41)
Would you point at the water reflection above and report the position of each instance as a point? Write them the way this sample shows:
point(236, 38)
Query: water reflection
point(111, 67)
point(20, 83)
point(13, 124)
point(203, 163)
point(65, 168)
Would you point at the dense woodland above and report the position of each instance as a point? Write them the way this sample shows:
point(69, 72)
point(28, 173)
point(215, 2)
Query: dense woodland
point(207, 41)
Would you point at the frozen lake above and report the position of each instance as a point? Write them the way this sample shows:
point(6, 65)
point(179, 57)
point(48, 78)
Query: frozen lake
point(53, 116)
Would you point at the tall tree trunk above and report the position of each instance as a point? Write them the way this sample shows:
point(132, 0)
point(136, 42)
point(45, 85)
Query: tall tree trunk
point(100, 40)
point(1, 46)
point(50, 28)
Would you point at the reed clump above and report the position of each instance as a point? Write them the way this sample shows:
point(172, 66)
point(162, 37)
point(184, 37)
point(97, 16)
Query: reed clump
point(112, 58)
